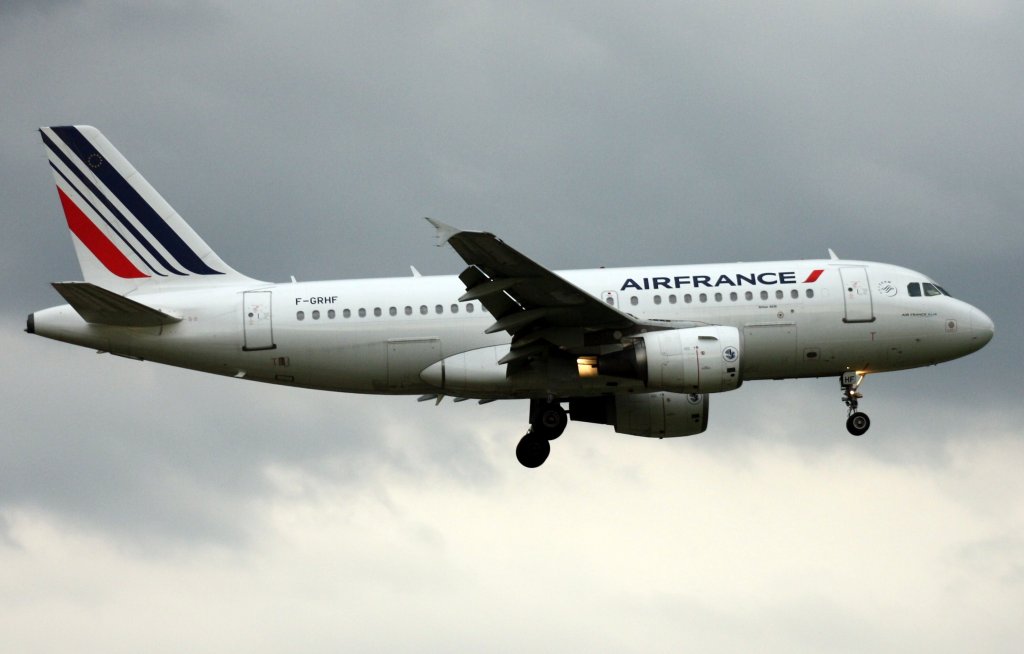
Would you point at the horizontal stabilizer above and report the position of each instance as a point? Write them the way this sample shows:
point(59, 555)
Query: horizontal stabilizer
point(98, 305)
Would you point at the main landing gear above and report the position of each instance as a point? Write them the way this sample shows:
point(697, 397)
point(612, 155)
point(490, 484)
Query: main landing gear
point(856, 423)
point(547, 422)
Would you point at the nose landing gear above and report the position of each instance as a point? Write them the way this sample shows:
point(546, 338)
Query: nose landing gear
point(547, 422)
point(857, 423)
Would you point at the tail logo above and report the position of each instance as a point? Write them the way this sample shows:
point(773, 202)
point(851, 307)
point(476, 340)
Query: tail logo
point(109, 215)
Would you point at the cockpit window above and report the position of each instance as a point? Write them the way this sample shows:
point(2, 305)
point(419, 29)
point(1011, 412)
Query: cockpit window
point(917, 289)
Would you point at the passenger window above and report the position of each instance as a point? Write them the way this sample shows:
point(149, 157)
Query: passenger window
point(914, 289)
point(688, 298)
point(672, 299)
point(718, 297)
point(316, 315)
point(393, 311)
point(733, 297)
point(301, 315)
point(362, 313)
point(610, 300)
point(347, 313)
point(634, 300)
point(794, 294)
point(810, 293)
point(657, 299)
point(930, 290)
point(408, 310)
point(455, 308)
point(438, 309)
point(331, 314)
point(469, 308)
point(764, 295)
point(377, 312)
point(703, 297)
point(748, 295)
point(423, 309)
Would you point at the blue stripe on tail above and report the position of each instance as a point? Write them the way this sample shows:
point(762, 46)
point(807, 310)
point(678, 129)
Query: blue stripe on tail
point(134, 202)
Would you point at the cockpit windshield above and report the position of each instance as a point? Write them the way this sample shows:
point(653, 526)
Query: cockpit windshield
point(917, 289)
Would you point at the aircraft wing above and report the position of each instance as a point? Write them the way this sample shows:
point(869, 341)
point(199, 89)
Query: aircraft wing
point(534, 305)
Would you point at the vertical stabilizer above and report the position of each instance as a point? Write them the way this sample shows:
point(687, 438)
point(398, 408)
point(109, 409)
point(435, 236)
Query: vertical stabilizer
point(126, 235)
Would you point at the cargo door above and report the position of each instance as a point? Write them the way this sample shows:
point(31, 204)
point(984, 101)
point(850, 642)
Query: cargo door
point(407, 358)
point(769, 350)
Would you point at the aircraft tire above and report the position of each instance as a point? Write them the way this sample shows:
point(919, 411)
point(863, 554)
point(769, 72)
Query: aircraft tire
point(551, 421)
point(533, 450)
point(858, 423)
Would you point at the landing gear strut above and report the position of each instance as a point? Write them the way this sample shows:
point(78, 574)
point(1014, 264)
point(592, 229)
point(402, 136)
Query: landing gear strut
point(856, 422)
point(547, 422)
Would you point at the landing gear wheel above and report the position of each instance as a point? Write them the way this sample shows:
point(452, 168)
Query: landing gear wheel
point(550, 421)
point(533, 450)
point(858, 423)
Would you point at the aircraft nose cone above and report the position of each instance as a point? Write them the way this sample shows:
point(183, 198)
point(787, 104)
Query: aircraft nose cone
point(982, 327)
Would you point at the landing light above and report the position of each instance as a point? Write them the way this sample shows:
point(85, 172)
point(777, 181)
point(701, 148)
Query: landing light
point(587, 366)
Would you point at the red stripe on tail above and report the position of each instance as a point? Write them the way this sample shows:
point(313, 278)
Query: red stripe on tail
point(813, 277)
point(96, 241)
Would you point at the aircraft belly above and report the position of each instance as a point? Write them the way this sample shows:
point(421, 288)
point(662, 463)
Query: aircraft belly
point(370, 360)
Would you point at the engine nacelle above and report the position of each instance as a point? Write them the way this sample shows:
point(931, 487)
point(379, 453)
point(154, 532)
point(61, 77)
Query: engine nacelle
point(655, 415)
point(695, 360)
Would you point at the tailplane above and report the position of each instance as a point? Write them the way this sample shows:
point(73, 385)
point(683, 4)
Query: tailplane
point(126, 235)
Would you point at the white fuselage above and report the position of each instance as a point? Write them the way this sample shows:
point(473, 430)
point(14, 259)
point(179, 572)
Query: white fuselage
point(379, 335)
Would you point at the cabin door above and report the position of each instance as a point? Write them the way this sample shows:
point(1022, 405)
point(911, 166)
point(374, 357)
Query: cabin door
point(256, 321)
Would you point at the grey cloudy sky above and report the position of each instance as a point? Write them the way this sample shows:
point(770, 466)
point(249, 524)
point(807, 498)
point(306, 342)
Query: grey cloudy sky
point(148, 508)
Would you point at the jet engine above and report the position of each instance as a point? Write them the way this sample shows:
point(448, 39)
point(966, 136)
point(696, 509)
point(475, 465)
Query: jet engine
point(695, 360)
point(655, 415)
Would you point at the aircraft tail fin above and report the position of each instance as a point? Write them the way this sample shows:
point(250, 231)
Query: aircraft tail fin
point(126, 235)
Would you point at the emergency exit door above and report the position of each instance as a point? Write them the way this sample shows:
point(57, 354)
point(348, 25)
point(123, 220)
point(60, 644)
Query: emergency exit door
point(857, 294)
point(256, 321)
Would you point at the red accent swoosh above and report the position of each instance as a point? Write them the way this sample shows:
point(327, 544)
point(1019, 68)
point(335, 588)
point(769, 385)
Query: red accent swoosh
point(96, 241)
point(813, 277)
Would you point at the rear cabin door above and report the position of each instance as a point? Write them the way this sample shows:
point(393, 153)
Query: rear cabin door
point(256, 321)
point(857, 294)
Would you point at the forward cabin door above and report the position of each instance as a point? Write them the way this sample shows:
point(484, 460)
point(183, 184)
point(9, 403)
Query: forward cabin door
point(256, 321)
point(857, 295)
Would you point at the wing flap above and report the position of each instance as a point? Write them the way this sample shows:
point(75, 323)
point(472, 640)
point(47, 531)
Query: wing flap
point(98, 305)
point(546, 314)
point(508, 282)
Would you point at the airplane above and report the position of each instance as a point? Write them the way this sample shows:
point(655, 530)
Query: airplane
point(640, 349)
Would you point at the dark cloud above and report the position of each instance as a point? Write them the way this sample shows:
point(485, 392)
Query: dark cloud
point(162, 453)
point(312, 142)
